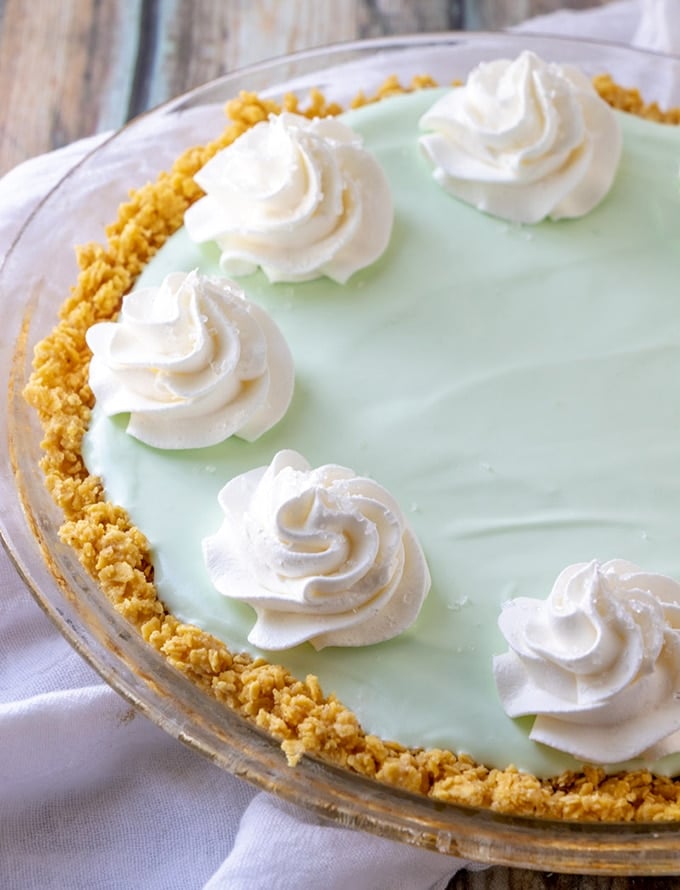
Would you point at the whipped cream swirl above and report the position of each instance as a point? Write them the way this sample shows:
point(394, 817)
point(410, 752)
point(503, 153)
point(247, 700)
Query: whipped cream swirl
point(598, 662)
point(300, 198)
point(321, 554)
point(524, 140)
point(193, 362)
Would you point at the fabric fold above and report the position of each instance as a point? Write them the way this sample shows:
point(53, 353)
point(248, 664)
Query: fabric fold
point(309, 852)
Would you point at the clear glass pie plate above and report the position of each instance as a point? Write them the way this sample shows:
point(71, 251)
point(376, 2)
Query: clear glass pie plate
point(35, 279)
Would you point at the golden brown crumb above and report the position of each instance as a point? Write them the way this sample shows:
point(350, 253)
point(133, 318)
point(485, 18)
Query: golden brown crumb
point(116, 554)
point(630, 101)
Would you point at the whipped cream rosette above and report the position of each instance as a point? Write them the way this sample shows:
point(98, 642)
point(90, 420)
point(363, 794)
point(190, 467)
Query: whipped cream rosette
point(193, 362)
point(524, 140)
point(300, 198)
point(321, 555)
point(598, 662)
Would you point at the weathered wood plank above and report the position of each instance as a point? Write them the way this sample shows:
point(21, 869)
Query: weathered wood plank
point(75, 67)
point(493, 15)
point(219, 37)
point(57, 62)
point(69, 68)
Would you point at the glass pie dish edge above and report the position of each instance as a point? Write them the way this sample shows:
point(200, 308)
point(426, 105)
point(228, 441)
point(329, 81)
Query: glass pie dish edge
point(34, 281)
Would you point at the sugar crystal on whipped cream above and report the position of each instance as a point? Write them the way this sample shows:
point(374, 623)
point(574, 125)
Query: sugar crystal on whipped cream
point(524, 140)
point(598, 662)
point(321, 554)
point(300, 198)
point(193, 362)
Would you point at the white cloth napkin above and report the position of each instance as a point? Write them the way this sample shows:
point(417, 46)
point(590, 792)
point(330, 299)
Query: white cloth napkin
point(93, 795)
point(646, 24)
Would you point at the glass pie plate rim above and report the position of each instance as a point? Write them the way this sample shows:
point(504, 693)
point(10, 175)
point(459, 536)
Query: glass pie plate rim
point(28, 520)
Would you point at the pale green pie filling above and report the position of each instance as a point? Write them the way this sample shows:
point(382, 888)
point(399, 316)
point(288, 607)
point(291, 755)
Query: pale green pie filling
point(517, 389)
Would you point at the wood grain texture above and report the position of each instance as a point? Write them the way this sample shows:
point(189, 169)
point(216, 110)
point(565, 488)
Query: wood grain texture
point(57, 61)
point(216, 38)
point(495, 14)
point(69, 68)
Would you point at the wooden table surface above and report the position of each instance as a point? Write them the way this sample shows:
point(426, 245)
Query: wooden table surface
point(70, 68)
